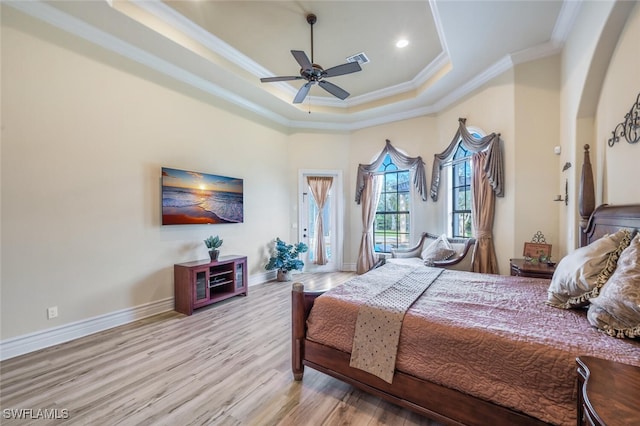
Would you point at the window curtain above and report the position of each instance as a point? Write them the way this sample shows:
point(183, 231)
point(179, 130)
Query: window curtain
point(493, 165)
point(483, 199)
point(487, 183)
point(320, 186)
point(400, 160)
point(370, 195)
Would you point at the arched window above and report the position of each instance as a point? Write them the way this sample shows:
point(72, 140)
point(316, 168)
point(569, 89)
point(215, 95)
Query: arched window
point(461, 193)
point(391, 228)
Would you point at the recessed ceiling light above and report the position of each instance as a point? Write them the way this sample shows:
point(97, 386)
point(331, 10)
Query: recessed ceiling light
point(402, 43)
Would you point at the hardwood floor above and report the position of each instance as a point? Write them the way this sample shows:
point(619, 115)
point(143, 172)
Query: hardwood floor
point(227, 364)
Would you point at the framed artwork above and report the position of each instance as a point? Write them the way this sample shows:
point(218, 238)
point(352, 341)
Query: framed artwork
point(193, 198)
point(537, 250)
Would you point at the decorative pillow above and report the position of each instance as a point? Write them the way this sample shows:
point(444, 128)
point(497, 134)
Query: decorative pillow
point(616, 311)
point(439, 249)
point(580, 275)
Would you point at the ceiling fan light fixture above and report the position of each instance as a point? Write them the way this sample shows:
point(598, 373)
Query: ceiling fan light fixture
point(314, 73)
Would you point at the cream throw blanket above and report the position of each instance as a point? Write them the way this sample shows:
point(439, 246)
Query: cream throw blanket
point(377, 333)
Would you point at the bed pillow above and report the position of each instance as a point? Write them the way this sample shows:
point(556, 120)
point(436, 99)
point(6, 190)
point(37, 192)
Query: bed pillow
point(580, 275)
point(616, 311)
point(440, 249)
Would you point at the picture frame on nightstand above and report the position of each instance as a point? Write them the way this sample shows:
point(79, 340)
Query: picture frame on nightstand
point(536, 251)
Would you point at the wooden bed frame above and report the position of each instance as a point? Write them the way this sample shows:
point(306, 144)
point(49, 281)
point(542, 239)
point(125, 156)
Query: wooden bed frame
point(442, 404)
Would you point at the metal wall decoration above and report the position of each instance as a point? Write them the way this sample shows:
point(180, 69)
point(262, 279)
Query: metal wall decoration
point(630, 127)
point(538, 237)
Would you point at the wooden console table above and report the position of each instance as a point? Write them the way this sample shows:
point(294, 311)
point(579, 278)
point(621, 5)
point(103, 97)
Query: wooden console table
point(203, 282)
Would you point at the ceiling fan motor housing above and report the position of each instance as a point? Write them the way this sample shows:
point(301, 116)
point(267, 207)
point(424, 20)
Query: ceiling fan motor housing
point(313, 74)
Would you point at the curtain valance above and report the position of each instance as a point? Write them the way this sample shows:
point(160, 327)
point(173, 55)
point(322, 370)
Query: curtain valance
point(492, 165)
point(400, 160)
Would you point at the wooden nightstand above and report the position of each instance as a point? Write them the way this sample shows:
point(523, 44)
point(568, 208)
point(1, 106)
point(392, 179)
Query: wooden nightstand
point(522, 268)
point(607, 392)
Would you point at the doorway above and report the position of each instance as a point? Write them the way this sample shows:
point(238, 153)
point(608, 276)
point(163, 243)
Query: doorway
point(332, 219)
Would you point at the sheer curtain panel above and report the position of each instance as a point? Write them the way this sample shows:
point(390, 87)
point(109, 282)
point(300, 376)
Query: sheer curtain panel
point(320, 186)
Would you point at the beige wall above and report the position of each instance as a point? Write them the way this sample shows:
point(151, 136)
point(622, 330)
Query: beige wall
point(490, 109)
point(537, 167)
point(83, 143)
point(587, 62)
point(414, 137)
point(618, 181)
point(82, 148)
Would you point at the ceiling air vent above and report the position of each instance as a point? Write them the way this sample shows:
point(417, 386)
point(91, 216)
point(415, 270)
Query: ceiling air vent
point(360, 58)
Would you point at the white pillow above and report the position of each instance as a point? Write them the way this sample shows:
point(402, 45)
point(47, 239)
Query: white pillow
point(580, 275)
point(440, 249)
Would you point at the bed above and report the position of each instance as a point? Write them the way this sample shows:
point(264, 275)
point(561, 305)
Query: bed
point(453, 335)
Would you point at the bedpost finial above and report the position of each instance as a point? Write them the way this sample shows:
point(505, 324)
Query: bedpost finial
point(586, 147)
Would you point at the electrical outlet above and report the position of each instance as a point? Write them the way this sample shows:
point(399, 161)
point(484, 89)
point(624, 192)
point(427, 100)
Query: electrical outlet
point(52, 312)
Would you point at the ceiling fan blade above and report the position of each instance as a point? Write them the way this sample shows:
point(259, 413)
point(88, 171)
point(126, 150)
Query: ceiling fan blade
point(302, 59)
point(347, 68)
point(333, 89)
point(302, 93)
point(283, 78)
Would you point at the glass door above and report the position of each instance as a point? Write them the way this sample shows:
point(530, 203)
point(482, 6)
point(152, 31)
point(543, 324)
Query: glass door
point(331, 224)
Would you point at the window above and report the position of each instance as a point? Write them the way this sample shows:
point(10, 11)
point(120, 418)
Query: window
point(391, 228)
point(461, 192)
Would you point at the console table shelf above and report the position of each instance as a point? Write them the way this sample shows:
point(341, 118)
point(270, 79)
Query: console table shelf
point(203, 282)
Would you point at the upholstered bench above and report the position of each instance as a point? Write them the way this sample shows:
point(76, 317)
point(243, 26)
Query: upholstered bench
point(461, 259)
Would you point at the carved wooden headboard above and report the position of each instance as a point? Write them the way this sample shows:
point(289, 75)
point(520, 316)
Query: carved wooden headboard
point(606, 219)
point(609, 219)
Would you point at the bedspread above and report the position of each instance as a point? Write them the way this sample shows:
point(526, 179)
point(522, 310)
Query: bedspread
point(490, 336)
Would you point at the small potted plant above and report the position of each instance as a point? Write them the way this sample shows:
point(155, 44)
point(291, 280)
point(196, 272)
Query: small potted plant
point(285, 259)
point(213, 244)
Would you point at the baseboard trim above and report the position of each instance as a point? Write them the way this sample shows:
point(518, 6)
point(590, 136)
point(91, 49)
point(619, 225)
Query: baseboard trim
point(31, 342)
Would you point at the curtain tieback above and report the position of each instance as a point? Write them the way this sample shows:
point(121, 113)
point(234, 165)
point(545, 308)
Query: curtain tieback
point(483, 235)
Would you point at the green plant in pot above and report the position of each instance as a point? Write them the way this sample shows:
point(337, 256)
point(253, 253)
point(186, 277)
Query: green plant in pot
point(285, 259)
point(213, 244)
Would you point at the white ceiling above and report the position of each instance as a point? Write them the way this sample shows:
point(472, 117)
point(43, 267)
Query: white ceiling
point(223, 48)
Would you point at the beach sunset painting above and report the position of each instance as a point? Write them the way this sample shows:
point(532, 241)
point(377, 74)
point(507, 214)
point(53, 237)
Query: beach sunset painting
point(192, 198)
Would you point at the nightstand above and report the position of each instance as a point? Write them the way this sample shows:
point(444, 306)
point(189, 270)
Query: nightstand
point(607, 392)
point(522, 268)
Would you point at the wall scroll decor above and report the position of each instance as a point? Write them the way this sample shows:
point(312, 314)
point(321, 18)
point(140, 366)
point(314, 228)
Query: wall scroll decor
point(630, 127)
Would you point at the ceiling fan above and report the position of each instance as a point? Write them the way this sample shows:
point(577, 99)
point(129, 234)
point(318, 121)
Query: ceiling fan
point(314, 73)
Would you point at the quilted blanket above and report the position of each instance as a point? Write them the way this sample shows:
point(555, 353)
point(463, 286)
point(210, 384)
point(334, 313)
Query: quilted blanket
point(489, 336)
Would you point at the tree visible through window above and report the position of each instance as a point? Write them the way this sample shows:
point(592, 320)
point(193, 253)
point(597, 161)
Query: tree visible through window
point(391, 228)
point(461, 193)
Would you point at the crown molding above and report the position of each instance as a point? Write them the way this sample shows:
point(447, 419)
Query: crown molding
point(70, 24)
